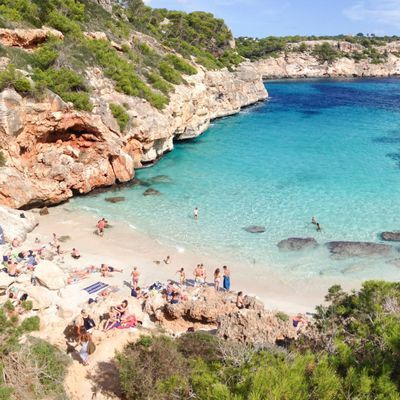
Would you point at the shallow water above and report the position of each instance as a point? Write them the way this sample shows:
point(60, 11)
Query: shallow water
point(329, 149)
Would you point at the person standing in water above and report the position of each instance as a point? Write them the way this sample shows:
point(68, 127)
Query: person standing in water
point(227, 278)
point(196, 213)
point(314, 221)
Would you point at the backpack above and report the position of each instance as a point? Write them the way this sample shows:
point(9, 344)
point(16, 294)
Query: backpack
point(91, 347)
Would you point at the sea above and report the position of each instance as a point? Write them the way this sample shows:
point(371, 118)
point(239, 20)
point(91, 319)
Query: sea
point(323, 148)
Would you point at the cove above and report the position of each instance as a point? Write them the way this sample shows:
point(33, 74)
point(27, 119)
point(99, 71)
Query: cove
point(324, 148)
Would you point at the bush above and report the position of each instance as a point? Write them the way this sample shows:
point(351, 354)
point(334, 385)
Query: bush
point(44, 56)
point(18, 10)
point(120, 114)
point(325, 53)
point(27, 305)
point(67, 84)
point(10, 77)
point(159, 83)
point(181, 65)
point(63, 23)
point(169, 73)
point(30, 324)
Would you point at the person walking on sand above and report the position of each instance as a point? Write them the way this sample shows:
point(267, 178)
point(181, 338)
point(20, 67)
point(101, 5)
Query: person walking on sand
point(196, 213)
point(227, 278)
point(182, 276)
point(101, 224)
point(217, 279)
point(197, 275)
point(135, 278)
point(87, 346)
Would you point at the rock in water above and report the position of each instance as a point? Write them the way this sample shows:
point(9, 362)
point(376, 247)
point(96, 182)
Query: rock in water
point(296, 244)
point(391, 236)
point(151, 192)
point(255, 229)
point(358, 249)
point(117, 199)
point(161, 179)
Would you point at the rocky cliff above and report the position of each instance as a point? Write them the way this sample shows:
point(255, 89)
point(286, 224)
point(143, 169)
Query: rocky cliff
point(52, 151)
point(295, 64)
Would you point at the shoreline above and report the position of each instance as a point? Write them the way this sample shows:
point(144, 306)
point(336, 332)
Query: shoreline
point(124, 247)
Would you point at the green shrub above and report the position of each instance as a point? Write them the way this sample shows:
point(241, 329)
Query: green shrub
point(63, 23)
point(159, 83)
point(67, 84)
point(120, 114)
point(325, 53)
point(18, 10)
point(282, 316)
point(169, 73)
point(30, 324)
point(44, 56)
point(27, 305)
point(181, 65)
point(121, 71)
point(10, 77)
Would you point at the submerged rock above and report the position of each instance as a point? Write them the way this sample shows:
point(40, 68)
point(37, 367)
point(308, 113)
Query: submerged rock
point(116, 199)
point(151, 192)
point(255, 229)
point(358, 249)
point(160, 179)
point(296, 244)
point(391, 236)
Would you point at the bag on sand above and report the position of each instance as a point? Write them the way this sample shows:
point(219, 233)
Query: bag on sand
point(91, 347)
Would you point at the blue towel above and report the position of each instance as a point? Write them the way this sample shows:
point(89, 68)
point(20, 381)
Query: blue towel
point(95, 287)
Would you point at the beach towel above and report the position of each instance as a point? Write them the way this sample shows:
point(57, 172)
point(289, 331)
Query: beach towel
point(96, 287)
point(130, 323)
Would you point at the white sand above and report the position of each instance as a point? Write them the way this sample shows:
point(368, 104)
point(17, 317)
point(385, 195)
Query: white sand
point(123, 247)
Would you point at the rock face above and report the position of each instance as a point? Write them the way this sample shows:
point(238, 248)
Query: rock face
point(358, 249)
point(16, 224)
point(296, 244)
point(255, 327)
point(391, 236)
point(53, 151)
point(305, 65)
point(27, 38)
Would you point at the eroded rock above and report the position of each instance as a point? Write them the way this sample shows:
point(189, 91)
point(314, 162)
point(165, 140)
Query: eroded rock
point(358, 249)
point(391, 236)
point(16, 224)
point(296, 244)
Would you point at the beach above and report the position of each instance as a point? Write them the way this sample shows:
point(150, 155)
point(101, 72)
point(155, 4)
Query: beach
point(124, 247)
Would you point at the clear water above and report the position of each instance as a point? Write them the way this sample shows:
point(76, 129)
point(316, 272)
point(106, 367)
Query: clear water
point(329, 149)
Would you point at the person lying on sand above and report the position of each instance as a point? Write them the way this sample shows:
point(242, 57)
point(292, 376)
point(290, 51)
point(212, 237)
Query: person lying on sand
point(106, 270)
point(75, 254)
point(12, 269)
point(15, 242)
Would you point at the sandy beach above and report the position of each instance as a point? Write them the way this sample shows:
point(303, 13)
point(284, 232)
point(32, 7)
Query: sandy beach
point(123, 247)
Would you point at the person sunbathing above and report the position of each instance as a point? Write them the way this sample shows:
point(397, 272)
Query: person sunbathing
point(15, 242)
point(112, 320)
point(107, 270)
point(12, 269)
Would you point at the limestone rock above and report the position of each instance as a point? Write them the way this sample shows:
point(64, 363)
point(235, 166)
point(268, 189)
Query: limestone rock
point(41, 297)
point(391, 236)
point(358, 249)
point(255, 327)
point(151, 192)
point(117, 199)
point(255, 229)
point(50, 275)
point(296, 244)
point(5, 280)
point(16, 223)
point(44, 211)
point(27, 38)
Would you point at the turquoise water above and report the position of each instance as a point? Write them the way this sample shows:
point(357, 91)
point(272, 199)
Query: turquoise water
point(329, 149)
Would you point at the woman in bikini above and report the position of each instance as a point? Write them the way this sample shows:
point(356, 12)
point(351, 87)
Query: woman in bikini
point(217, 279)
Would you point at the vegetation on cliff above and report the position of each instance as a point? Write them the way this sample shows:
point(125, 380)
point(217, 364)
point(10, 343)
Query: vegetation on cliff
point(351, 352)
point(370, 47)
point(30, 368)
point(142, 66)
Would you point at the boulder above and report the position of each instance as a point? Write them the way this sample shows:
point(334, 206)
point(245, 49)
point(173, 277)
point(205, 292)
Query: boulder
point(358, 249)
point(50, 275)
point(5, 280)
point(255, 229)
point(151, 192)
point(255, 327)
point(44, 211)
point(41, 297)
point(116, 199)
point(16, 223)
point(391, 236)
point(296, 244)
